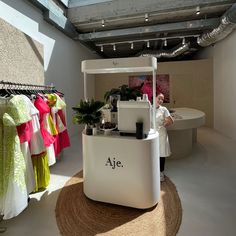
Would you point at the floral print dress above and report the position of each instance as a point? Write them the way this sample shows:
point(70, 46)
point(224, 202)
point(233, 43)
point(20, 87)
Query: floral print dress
point(13, 188)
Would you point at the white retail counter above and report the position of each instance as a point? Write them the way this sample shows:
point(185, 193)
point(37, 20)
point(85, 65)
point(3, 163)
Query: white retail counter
point(122, 170)
point(183, 133)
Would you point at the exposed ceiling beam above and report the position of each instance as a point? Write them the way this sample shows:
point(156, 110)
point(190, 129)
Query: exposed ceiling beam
point(160, 28)
point(81, 3)
point(47, 5)
point(54, 15)
point(61, 23)
point(121, 8)
point(65, 2)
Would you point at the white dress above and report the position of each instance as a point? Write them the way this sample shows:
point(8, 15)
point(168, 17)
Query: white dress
point(164, 145)
point(30, 178)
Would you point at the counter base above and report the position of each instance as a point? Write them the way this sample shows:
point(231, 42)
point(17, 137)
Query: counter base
point(122, 170)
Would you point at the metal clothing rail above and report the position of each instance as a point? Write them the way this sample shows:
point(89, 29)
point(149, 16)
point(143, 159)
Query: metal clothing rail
point(21, 85)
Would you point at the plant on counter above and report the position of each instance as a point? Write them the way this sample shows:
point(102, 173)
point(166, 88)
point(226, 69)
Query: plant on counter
point(126, 93)
point(88, 113)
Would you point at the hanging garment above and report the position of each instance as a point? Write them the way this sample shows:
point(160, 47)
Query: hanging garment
point(25, 133)
point(41, 171)
point(52, 102)
point(50, 127)
point(39, 158)
point(36, 143)
point(44, 109)
point(47, 128)
point(64, 140)
point(13, 188)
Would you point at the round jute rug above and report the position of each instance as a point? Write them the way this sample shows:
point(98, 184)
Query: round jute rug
point(79, 216)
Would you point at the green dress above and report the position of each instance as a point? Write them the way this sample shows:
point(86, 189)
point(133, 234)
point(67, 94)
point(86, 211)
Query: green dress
point(13, 189)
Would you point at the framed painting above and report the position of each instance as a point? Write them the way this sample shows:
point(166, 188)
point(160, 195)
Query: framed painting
point(144, 84)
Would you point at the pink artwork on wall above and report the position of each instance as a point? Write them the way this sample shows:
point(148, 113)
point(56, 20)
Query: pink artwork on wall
point(144, 83)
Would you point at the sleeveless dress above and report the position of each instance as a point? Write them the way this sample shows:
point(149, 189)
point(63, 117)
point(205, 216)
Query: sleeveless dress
point(164, 145)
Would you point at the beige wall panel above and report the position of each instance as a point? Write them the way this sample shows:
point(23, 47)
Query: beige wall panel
point(181, 90)
point(104, 82)
point(191, 85)
point(21, 57)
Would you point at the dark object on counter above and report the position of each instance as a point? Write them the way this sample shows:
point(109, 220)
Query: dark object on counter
point(108, 125)
point(89, 131)
point(139, 130)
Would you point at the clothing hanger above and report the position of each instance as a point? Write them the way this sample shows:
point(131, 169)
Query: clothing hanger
point(3, 92)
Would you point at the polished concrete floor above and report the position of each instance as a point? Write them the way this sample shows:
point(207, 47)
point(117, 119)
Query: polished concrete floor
point(206, 182)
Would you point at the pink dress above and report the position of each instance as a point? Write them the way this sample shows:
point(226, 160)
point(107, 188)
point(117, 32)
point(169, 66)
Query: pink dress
point(25, 131)
point(63, 136)
point(63, 140)
point(44, 109)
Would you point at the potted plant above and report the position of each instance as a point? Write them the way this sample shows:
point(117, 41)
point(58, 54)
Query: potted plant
point(88, 112)
point(124, 91)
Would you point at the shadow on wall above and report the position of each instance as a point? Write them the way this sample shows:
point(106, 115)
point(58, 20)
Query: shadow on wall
point(35, 49)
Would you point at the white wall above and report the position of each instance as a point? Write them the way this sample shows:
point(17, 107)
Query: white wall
point(62, 55)
point(224, 79)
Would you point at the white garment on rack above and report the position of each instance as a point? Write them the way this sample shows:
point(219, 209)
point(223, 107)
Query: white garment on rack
point(30, 177)
point(36, 143)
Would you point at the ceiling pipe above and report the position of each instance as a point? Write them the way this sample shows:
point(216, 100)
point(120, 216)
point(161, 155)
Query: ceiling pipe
point(180, 49)
point(226, 26)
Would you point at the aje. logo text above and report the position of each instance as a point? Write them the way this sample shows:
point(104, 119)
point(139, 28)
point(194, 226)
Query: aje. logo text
point(113, 163)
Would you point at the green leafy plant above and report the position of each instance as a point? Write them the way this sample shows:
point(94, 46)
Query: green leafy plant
point(126, 93)
point(88, 112)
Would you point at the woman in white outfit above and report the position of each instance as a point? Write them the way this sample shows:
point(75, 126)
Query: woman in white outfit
point(163, 119)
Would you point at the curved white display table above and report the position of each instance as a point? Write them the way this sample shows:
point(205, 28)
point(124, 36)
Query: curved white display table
point(183, 133)
point(122, 170)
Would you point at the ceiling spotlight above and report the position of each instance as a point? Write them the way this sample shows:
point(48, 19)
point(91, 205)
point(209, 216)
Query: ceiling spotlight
point(101, 48)
point(103, 23)
point(148, 44)
point(165, 42)
point(183, 41)
point(146, 17)
point(114, 47)
point(132, 45)
point(198, 10)
point(198, 40)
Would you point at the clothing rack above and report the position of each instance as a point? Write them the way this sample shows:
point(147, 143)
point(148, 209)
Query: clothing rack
point(22, 86)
